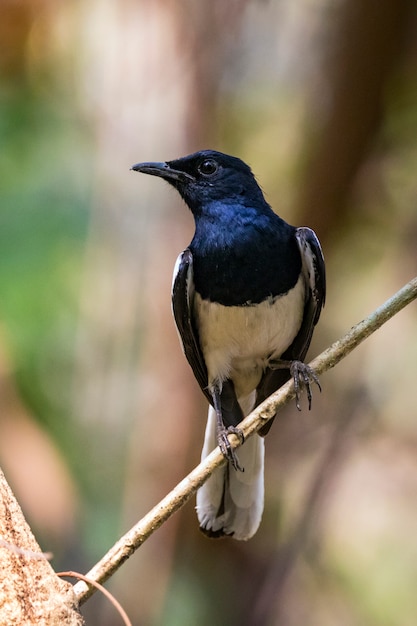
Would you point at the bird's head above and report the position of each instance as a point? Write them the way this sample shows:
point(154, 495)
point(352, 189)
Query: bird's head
point(206, 177)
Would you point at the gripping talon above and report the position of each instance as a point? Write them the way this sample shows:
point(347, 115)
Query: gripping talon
point(226, 448)
point(303, 376)
point(238, 432)
point(223, 432)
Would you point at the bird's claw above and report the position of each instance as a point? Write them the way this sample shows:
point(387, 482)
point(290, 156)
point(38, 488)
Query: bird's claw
point(226, 448)
point(303, 376)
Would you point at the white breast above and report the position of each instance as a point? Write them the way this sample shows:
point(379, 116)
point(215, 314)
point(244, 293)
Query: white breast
point(238, 341)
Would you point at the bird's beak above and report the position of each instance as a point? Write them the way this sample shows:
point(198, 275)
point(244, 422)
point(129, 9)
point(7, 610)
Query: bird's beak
point(164, 170)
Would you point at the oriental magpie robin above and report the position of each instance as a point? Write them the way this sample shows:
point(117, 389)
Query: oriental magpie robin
point(246, 295)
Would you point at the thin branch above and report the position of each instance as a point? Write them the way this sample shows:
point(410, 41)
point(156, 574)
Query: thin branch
point(135, 537)
point(103, 590)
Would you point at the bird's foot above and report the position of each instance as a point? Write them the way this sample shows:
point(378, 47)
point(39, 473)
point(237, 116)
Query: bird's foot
point(303, 376)
point(225, 446)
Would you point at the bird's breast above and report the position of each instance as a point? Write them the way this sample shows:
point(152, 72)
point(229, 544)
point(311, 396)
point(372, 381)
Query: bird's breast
point(239, 341)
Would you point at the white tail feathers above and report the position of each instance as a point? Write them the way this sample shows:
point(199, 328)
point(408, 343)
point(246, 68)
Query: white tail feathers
point(232, 502)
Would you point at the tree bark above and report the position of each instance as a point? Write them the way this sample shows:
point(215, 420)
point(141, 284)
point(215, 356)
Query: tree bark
point(30, 590)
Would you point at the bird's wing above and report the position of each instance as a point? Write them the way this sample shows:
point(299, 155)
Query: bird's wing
point(315, 277)
point(314, 272)
point(182, 307)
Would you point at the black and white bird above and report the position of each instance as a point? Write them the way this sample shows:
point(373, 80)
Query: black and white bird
point(247, 293)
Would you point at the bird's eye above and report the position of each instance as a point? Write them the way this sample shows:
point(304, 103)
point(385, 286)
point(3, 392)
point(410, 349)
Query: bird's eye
point(208, 167)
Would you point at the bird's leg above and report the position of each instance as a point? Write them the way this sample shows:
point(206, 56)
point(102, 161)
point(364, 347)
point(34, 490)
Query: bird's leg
point(302, 375)
point(223, 432)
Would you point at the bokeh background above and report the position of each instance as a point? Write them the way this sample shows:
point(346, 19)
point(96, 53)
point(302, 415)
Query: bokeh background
point(99, 413)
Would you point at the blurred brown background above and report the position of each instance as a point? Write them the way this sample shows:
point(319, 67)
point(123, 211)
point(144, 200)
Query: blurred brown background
point(99, 413)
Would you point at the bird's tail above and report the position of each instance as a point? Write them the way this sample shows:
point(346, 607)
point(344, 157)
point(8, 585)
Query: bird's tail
point(231, 502)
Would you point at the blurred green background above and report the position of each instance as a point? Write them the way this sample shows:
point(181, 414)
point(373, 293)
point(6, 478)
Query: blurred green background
point(99, 413)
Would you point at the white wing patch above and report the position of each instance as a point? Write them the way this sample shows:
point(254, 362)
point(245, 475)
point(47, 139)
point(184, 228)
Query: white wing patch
point(308, 257)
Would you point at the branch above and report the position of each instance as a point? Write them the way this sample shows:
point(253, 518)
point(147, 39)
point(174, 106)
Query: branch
point(177, 498)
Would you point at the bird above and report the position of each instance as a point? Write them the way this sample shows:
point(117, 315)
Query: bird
point(246, 295)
